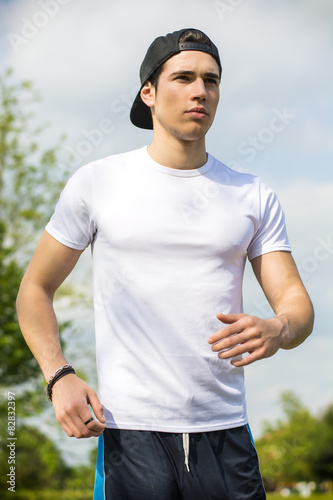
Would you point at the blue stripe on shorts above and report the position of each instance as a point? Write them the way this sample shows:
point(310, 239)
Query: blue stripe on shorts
point(248, 428)
point(99, 489)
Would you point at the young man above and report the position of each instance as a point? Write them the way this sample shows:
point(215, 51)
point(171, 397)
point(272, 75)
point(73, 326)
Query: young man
point(171, 337)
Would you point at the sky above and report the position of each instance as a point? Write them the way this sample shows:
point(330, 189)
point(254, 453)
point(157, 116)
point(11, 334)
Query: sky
point(274, 120)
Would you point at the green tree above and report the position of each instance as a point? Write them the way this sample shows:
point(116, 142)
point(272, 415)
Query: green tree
point(284, 449)
point(38, 463)
point(30, 178)
point(321, 449)
point(30, 183)
point(16, 363)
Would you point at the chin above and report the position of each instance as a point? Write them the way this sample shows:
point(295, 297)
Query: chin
point(190, 133)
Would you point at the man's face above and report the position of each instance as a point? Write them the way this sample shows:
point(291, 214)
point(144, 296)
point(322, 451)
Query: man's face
point(187, 95)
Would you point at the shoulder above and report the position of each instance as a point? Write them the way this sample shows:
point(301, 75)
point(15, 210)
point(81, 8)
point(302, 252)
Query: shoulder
point(111, 161)
point(230, 176)
point(105, 167)
point(239, 178)
point(119, 159)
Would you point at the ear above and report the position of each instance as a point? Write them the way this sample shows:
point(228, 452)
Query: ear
point(148, 94)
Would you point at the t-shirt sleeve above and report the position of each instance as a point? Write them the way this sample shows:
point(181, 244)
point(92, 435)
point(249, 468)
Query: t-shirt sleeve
point(72, 223)
point(270, 231)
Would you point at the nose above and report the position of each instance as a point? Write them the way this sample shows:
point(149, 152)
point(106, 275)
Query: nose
point(199, 89)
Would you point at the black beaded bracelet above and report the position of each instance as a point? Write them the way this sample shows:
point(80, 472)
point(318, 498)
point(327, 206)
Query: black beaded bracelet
point(61, 372)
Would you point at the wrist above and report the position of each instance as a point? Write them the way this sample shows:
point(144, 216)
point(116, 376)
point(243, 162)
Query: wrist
point(57, 375)
point(49, 367)
point(286, 336)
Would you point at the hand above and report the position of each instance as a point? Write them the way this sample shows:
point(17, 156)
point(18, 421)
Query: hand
point(71, 397)
point(260, 338)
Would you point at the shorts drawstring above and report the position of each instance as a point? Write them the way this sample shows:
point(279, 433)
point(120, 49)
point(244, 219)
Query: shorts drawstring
point(186, 447)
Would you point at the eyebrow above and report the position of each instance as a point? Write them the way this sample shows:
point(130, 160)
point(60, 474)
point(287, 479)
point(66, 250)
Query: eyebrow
point(191, 73)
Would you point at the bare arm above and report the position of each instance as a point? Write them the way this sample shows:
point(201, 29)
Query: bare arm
point(277, 274)
point(51, 263)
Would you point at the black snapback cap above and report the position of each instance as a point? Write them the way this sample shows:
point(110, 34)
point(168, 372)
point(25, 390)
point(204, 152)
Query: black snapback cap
point(160, 51)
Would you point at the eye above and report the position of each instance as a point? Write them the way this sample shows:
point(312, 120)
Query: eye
point(211, 81)
point(184, 78)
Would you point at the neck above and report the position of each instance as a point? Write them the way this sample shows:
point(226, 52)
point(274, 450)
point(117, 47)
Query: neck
point(180, 154)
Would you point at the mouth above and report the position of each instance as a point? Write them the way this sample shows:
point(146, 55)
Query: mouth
point(197, 112)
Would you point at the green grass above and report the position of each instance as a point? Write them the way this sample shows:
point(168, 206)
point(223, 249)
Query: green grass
point(315, 496)
point(49, 495)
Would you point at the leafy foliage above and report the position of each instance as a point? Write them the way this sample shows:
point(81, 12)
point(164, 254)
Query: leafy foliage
point(297, 448)
point(321, 450)
point(38, 463)
point(16, 363)
point(30, 180)
point(30, 183)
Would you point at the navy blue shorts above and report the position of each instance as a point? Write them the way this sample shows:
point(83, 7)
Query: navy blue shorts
point(146, 465)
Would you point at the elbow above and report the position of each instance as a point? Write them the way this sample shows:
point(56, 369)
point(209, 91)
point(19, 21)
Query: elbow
point(19, 299)
point(309, 318)
point(306, 328)
point(31, 295)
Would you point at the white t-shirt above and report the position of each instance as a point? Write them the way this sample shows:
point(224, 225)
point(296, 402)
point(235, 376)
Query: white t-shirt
point(169, 248)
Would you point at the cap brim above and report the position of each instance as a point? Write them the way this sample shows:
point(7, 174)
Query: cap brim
point(140, 114)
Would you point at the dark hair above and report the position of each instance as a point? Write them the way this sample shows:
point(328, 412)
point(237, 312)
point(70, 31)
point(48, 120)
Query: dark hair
point(195, 36)
point(154, 77)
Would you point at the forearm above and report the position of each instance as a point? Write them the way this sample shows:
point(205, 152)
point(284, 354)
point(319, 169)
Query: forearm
point(50, 265)
point(278, 276)
point(71, 396)
point(39, 327)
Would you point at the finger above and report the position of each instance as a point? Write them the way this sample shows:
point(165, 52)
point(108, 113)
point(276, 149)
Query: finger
point(229, 318)
point(67, 429)
point(228, 343)
point(229, 337)
point(247, 360)
point(92, 424)
point(238, 324)
point(74, 424)
point(96, 406)
point(94, 427)
point(245, 336)
point(69, 426)
point(224, 333)
point(234, 327)
point(78, 428)
point(240, 349)
point(64, 420)
point(89, 420)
